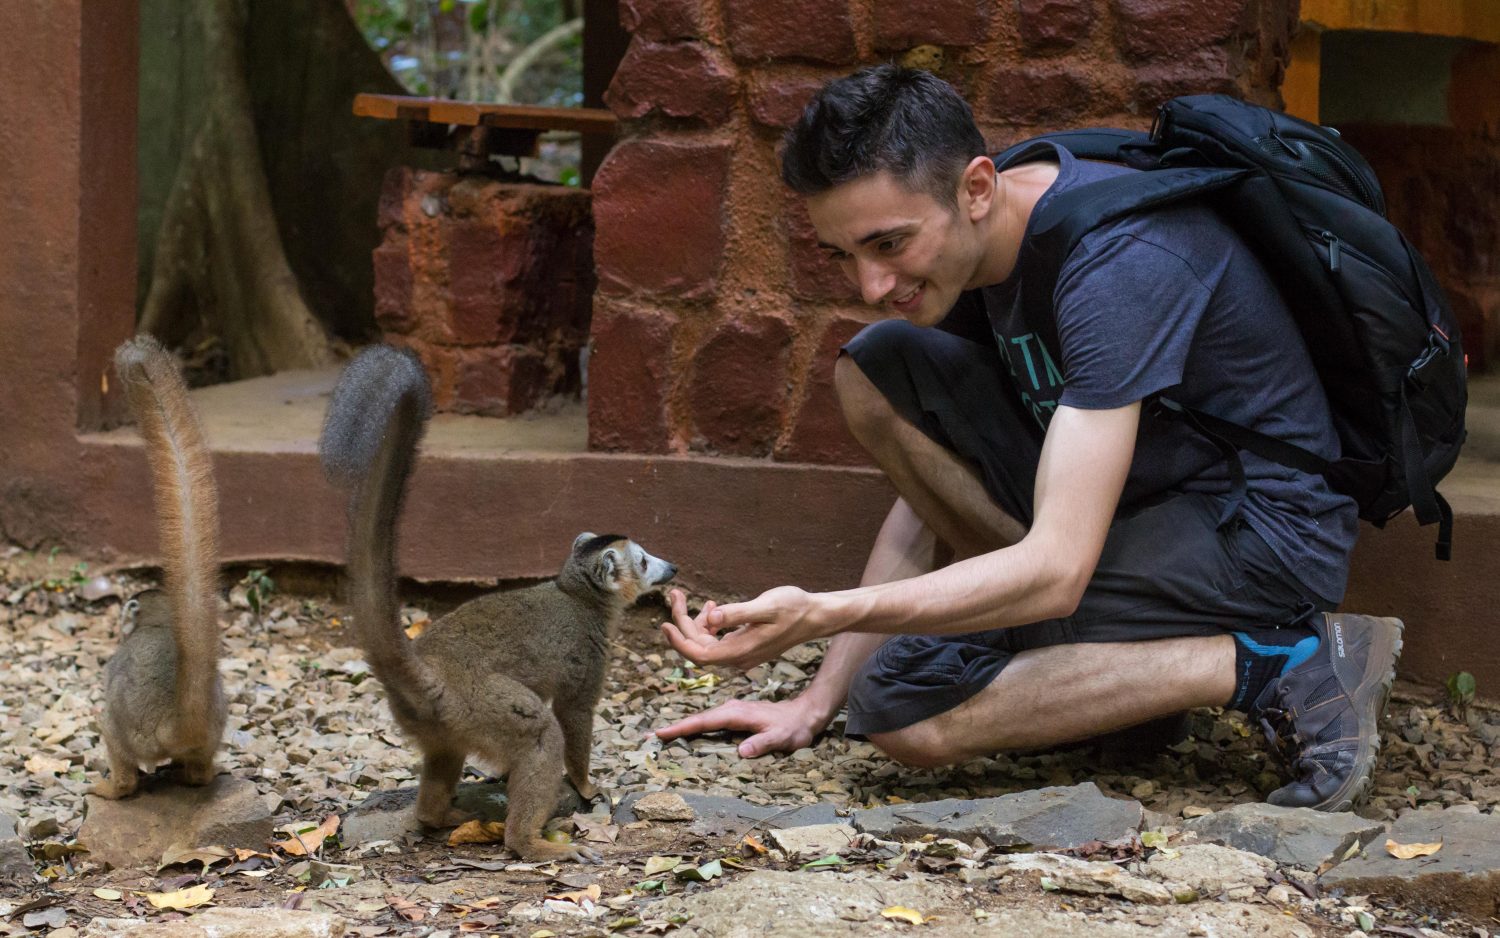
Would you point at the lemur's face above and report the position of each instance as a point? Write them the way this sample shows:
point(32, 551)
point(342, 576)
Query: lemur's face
point(620, 565)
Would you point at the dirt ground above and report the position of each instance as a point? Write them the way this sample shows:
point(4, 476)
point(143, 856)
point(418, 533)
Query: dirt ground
point(309, 724)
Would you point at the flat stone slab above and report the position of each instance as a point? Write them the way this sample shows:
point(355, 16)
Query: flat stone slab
point(1463, 876)
point(778, 902)
point(391, 815)
point(716, 814)
point(225, 923)
point(1296, 837)
point(1044, 817)
point(768, 902)
point(16, 868)
point(136, 831)
point(813, 841)
point(1210, 870)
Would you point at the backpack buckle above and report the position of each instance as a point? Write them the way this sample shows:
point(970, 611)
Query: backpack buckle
point(1437, 347)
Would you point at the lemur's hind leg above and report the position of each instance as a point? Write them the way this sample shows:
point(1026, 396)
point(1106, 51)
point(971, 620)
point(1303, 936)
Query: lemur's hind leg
point(124, 776)
point(576, 719)
point(440, 774)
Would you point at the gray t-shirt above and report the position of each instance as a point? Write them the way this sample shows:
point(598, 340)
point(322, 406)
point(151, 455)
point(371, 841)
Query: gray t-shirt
point(1172, 301)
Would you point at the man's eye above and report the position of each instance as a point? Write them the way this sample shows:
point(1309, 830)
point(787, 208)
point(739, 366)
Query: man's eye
point(889, 245)
point(838, 257)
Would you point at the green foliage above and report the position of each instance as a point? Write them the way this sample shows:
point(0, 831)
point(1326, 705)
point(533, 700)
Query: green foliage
point(1461, 689)
point(258, 588)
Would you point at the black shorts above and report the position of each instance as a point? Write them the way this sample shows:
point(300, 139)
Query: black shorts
point(1168, 569)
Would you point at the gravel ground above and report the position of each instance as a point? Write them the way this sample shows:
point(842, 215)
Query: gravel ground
point(307, 722)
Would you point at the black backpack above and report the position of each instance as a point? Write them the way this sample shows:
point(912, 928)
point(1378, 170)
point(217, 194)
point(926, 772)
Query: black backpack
point(1380, 332)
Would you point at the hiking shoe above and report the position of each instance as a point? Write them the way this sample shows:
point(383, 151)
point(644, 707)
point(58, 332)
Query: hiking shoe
point(1320, 717)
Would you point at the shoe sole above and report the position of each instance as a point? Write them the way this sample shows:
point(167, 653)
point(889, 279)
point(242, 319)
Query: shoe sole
point(1370, 699)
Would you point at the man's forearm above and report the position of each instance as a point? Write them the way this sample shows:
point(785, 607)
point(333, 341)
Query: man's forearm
point(830, 686)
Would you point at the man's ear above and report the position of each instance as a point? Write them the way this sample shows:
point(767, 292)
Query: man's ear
point(976, 187)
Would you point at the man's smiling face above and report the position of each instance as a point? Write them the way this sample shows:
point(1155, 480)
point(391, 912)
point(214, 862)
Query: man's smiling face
point(906, 252)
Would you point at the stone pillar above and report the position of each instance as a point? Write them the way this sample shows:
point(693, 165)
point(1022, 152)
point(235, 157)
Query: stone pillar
point(67, 250)
point(717, 322)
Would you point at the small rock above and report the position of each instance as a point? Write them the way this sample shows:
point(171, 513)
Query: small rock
point(1106, 879)
point(16, 868)
point(43, 828)
point(813, 841)
point(225, 923)
point(135, 831)
point(662, 806)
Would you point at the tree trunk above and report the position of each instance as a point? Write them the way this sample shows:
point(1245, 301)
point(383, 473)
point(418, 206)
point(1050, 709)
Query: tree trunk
point(268, 221)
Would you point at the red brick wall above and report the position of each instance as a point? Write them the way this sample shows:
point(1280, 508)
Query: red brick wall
point(715, 323)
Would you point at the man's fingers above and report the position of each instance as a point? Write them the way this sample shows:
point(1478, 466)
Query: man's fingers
point(726, 716)
point(686, 624)
point(704, 651)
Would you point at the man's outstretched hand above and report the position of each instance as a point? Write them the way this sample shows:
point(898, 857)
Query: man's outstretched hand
point(776, 726)
point(758, 630)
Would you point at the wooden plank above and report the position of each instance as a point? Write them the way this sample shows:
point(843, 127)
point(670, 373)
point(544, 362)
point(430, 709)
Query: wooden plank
point(473, 114)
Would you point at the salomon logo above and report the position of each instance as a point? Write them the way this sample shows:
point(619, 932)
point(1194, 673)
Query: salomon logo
point(1338, 638)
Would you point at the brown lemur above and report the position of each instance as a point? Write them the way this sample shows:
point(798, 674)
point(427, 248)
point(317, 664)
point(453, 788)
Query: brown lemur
point(162, 696)
point(512, 677)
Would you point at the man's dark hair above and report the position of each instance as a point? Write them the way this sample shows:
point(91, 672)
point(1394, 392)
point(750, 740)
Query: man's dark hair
point(905, 121)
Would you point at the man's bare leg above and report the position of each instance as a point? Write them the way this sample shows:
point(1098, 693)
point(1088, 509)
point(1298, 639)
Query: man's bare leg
point(943, 489)
point(1046, 696)
point(1064, 693)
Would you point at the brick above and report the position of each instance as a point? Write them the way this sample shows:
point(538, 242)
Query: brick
point(663, 20)
point(777, 101)
point(659, 217)
point(1152, 30)
point(630, 371)
point(1039, 94)
point(737, 390)
point(819, 434)
point(901, 24)
point(813, 275)
point(684, 80)
point(790, 29)
point(393, 286)
point(1054, 25)
point(499, 381)
point(1207, 71)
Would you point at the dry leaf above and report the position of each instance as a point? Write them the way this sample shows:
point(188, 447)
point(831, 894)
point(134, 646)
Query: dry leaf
point(477, 832)
point(241, 854)
point(208, 856)
point(753, 845)
point(406, 908)
point(1411, 851)
point(180, 899)
point(417, 628)
point(904, 914)
point(303, 839)
point(592, 894)
point(658, 865)
point(46, 765)
point(108, 895)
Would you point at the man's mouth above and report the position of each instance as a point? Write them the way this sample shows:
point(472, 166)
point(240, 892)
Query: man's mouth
point(910, 300)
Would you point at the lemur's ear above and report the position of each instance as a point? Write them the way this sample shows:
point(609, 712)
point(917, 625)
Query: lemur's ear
point(609, 562)
point(581, 538)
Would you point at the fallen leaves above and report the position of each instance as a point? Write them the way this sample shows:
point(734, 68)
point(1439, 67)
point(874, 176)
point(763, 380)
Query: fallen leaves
point(46, 765)
point(180, 899)
point(477, 832)
point(306, 837)
point(903, 914)
point(1411, 851)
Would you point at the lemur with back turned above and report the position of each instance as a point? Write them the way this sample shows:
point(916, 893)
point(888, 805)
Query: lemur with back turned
point(512, 677)
point(162, 698)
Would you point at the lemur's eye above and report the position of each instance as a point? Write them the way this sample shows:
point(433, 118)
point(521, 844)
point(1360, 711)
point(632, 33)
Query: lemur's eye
point(643, 564)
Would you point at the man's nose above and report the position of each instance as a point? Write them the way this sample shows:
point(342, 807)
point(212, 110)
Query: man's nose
point(875, 281)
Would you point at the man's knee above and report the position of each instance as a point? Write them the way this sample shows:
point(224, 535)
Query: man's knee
point(867, 413)
point(921, 746)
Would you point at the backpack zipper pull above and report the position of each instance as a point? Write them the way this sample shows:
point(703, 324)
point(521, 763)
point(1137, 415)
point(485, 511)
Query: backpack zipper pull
point(1332, 240)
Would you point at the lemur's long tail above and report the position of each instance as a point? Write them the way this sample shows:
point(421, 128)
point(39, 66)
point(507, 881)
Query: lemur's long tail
point(376, 419)
point(187, 517)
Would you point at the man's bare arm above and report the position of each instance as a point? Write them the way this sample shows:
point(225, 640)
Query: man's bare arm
point(1082, 471)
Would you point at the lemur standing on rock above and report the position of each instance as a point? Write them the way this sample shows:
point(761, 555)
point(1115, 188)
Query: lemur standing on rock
point(511, 677)
point(163, 699)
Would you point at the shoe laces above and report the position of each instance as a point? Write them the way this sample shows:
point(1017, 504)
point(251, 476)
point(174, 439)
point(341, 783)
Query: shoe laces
point(1280, 725)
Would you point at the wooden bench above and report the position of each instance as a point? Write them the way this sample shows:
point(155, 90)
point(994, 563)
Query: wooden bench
point(478, 131)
